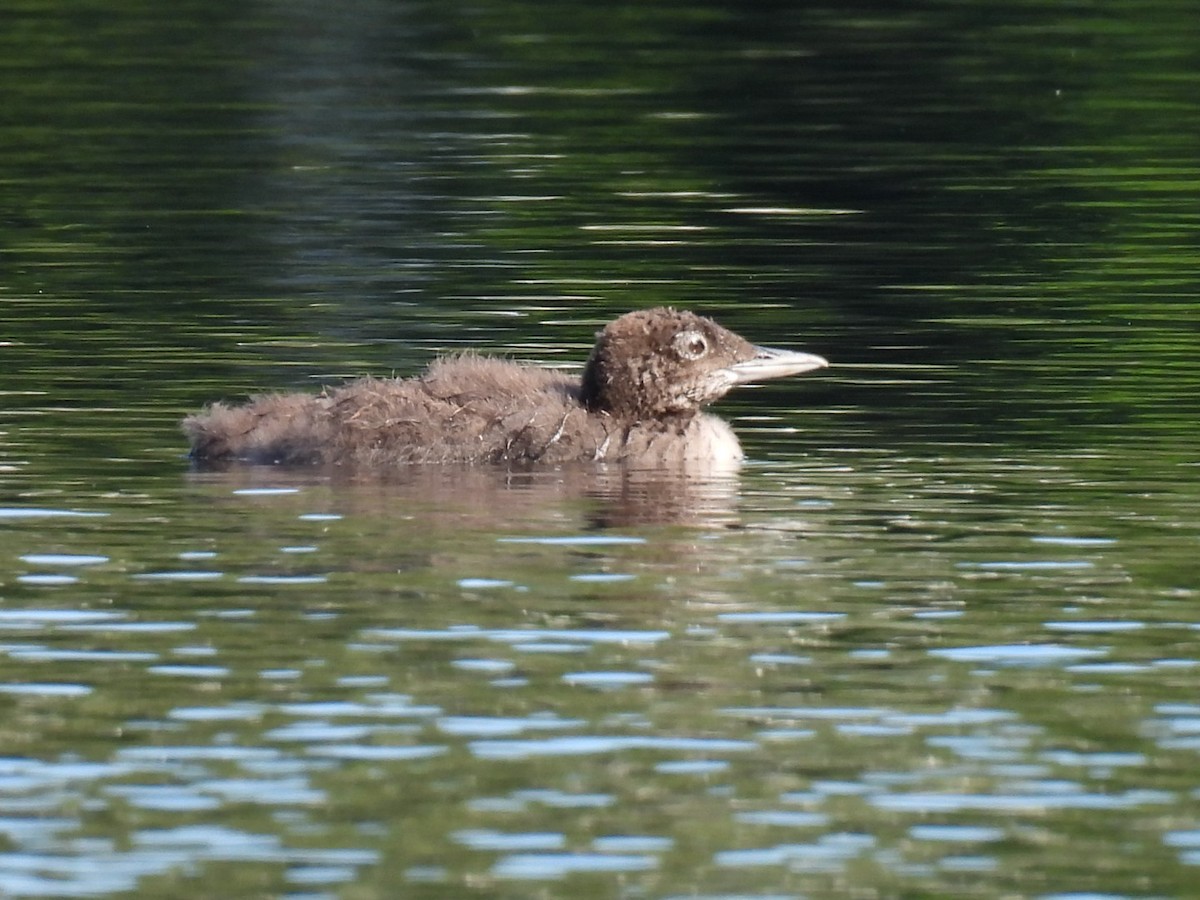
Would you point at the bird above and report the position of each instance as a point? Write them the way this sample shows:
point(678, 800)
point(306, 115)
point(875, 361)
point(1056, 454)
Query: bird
point(639, 402)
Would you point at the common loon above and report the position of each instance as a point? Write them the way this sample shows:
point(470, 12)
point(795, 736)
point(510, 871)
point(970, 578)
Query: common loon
point(639, 402)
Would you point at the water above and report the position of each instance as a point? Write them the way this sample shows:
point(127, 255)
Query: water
point(938, 638)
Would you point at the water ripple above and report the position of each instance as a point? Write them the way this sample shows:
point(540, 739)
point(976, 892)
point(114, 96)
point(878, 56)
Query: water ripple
point(549, 866)
point(1018, 654)
point(582, 745)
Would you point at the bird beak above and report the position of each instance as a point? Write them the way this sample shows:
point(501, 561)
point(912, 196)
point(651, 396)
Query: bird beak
point(770, 363)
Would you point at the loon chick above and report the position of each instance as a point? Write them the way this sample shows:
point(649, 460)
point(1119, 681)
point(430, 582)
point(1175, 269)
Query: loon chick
point(639, 400)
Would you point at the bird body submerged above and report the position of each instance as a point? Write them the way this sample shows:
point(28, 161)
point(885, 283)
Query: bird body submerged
point(639, 400)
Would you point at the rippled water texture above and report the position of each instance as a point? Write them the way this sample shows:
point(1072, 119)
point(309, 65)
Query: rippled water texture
point(937, 639)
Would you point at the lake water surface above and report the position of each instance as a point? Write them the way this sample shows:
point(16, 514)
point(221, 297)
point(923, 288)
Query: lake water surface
point(939, 638)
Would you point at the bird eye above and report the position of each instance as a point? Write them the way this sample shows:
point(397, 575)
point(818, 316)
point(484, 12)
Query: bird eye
point(690, 345)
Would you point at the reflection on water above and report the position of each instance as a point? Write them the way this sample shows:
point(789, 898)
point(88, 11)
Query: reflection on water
point(605, 495)
point(937, 638)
